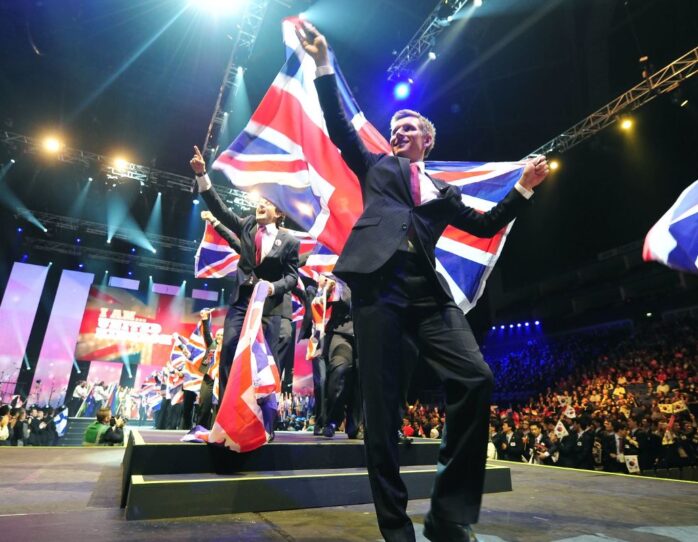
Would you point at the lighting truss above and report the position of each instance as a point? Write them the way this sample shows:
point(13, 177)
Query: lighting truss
point(59, 247)
point(97, 228)
point(146, 176)
point(245, 39)
point(424, 39)
point(660, 82)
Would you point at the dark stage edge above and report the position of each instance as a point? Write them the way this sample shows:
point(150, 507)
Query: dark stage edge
point(165, 478)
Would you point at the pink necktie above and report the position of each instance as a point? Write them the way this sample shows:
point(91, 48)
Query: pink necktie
point(258, 243)
point(414, 182)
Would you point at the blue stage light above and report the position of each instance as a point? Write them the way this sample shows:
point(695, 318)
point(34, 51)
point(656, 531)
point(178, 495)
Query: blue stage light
point(195, 202)
point(537, 322)
point(19, 230)
point(402, 90)
point(518, 325)
point(494, 327)
point(25, 257)
point(133, 250)
point(130, 273)
point(80, 266)
point(78, 240)
point(526, 324)
point(502, 326)
point(511, 326)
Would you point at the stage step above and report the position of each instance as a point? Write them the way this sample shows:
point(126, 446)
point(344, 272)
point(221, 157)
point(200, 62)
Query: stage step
point(149, 457)
point(74, 431)
point(181, 495)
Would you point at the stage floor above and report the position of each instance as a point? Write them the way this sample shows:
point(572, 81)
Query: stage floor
point(72, 494)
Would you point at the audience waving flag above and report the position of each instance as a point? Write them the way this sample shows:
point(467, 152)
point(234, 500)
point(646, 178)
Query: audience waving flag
point(673, 240)
point(285, 154)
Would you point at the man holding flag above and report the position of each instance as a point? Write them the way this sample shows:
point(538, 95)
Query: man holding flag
point(389, 263)
point(266, 253)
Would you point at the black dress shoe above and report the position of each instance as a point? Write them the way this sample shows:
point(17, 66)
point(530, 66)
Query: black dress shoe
point(317, 431)
point(329, 431)
point(447, 531)
point(272, 436)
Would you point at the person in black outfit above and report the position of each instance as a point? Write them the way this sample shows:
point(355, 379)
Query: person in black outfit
point(343, 397)
point(266, 253)
point(388, 262)
point(583, 451)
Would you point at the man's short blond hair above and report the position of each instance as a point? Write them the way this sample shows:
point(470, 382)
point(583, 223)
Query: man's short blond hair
point(427, 126)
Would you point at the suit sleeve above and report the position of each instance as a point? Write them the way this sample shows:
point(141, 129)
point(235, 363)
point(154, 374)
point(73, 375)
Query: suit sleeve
point(489, 223)
point(289, 276)
point(229, 236)
point(206, 330)
point(341, 130)
point(221, 211)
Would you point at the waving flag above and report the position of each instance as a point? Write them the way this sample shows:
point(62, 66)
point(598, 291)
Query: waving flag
point(286, 154)
point(673, 240)
point(214, 258)
point(252, 386)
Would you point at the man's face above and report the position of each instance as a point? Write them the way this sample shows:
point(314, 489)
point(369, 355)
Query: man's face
point(219, 335)
point(535, 430)
point(407, 139)
point(266, 212)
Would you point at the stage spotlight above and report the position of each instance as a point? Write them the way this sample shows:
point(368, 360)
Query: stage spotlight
point(432, 55)
point(683, 104)
point(109, 241)
point(554, 165)
point(494, 327)
point(19, 230)
point(218, 7)
point(511, 326)
point(649, 315)
point(477, 3)
point(133, 250)
point(195, 202)
point(77, 241)
point(626, 124)
point(50, 264)
point(44, 229)
point(537, 322)
point(527, 324)
point(80, 266)
point(241, 71)
point(130, 273)
point(89, 179)
point(12, 160)
point(402, 90)
point(25, 257)
point(154, 251)
point(52, 144)
point(120, 163)
point(518, 325)
point(502, 326)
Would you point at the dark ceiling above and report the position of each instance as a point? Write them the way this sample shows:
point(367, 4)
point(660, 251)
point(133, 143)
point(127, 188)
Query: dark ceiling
point(142, 77)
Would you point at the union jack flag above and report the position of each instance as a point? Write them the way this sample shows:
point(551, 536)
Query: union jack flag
point(285, 153)
point(252, 386)
point(214, 258)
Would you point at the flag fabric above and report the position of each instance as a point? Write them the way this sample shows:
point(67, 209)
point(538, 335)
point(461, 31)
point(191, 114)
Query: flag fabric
point(285, 154)
point(252, 386)
point(60, 421)
point(560, 430)
point(195, 351)
point(174, 373)
point(673, 240)
point(632, 463)
point(319, 313)
point(570, 412)
point(214, 258)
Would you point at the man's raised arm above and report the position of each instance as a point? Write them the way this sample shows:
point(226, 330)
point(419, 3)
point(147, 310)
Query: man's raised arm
point(219, 209)
point(341, 130)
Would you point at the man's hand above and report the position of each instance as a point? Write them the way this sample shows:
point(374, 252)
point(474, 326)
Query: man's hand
point(204, 314)
point(207, 216)
point(535, 171)
point(313, 43)
point(197, 163)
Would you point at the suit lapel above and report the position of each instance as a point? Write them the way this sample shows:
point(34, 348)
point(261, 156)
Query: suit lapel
point(404, 164)
point(276, 245)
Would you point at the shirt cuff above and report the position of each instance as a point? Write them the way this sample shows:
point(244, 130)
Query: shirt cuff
point(525, 192)
point(204, 183)
point(327, 69)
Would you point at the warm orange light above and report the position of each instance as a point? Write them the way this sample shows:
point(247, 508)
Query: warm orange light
point(52, 144)
point(626, 124)
point(554, 165)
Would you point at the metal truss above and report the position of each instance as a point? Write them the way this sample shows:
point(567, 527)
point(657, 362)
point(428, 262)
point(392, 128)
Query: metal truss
point(424, 39)
point(245, 39)
point(146, 176)
point(59, 247)
point(53, 221)
point(660, 82)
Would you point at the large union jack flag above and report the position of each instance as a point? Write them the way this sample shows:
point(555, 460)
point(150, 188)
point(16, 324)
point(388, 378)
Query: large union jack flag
point(284, 152)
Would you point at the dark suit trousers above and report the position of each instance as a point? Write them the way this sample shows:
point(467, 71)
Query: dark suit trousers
point(286, 353)
point(343, 398)
point(399, 300)
point(232, 327)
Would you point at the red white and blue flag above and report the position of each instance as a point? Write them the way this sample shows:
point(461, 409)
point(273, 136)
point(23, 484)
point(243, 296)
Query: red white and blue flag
point(673, 240)
point(214, 258)
point(254, 379)
point(285, 154)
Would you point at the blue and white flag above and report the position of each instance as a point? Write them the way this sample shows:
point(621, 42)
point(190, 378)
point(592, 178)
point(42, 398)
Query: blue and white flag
point(673, 240)
point(60, 420)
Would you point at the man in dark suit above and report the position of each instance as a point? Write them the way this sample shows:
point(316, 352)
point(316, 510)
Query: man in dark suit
point(583, 451)
point(266, 253)
point(510, 446)
point(388, 262)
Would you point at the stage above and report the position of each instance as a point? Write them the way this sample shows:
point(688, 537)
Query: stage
point(69, 494)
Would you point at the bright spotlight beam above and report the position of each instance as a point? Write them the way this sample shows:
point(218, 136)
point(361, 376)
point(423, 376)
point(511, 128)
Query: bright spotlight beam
point(12, 202)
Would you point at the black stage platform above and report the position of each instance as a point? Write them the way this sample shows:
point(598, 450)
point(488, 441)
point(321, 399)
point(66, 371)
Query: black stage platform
point(163, 477)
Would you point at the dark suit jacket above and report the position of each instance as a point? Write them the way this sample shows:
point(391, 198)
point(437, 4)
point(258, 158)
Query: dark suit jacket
point(583, 450)
point(280, 266)
point(389, 211)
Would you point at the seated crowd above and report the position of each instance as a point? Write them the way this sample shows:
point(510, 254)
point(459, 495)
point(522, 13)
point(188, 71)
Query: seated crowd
point(621, 402)
point(27, 427)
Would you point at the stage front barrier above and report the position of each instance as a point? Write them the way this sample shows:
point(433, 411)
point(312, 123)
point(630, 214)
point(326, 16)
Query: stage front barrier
point(164, 478)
